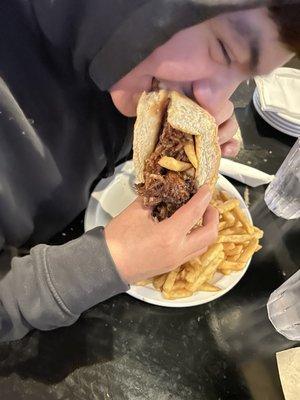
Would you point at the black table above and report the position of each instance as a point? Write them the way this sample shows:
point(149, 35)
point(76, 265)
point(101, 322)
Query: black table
point(126, 349)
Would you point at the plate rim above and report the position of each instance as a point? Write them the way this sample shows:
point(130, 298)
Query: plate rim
point(91, 212)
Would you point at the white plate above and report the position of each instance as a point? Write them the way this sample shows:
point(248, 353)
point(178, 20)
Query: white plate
point(284, 127)
point(293, 120)
point(113, 195)
point(274, 124)
point(274, 118)
point(291, 123)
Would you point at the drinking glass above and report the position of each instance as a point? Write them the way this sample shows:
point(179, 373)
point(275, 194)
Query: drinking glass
point(283, 193)
point(284, 308)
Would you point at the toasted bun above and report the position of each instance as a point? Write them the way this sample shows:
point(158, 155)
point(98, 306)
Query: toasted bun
point(150, 111)
point(187, 116)
point(182, 114)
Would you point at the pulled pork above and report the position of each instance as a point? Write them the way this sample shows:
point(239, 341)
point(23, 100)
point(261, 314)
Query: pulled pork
point(163, 190)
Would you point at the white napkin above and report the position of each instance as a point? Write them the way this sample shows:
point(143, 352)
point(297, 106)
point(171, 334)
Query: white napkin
point(280, 91)
point(288, 362)
point(243, 173)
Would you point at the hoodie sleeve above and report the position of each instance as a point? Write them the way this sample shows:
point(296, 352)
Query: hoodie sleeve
point(53, 285)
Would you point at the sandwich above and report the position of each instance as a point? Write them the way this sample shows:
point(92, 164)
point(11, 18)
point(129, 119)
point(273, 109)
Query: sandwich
point(175, 150)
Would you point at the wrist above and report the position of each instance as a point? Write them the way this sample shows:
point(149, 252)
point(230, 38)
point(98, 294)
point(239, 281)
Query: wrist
point(117, 257)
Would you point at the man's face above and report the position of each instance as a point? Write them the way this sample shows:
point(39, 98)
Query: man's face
point(207, 61)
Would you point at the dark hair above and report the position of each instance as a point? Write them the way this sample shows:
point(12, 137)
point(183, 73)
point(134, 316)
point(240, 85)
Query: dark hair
point(287, 19)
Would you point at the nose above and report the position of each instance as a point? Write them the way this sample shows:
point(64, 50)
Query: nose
point(213, 93)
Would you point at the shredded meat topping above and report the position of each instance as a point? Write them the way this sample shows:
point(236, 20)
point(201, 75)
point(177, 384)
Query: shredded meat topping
point(163, 190)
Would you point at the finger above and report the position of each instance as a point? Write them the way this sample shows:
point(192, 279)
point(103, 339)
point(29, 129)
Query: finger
point(190, 213)
point(211, 215)
point(224, 113)
point(231, 148)
point(205, 235)
point(227, 130)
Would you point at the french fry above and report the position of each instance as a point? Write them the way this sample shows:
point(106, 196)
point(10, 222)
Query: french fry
point(178, 285)
point(144, 282)
point(249, 251)
point(173, 165)
point(235, 257)
point(181, 268)
point(210, 277)
point(238, 225)
point(222, 225)
point(191, 274)
point(233, 231)
point(228, 246)
point(228, 205)
point(198, 268)
point(211, 253)
point(234, 238)
point(225, 271)
point(159, 281)
point(232, 265)
point(224, 195)
point(221, 255)
point(191, 172)
point(228, 231)
point(189, 149)
point(202, 278)
point(177, 294)
point(258, 233)
point(215, 195)
point(207, 287)
point(258, 247)
point(232, 252)
point(169, 282)
point(229, 218)
point(195, 262)
point(243, 219)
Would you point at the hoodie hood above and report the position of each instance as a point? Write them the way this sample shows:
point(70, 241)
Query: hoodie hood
point(116, 36)
point(54, 57)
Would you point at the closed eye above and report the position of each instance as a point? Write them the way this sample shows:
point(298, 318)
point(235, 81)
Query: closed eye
point(225, 53)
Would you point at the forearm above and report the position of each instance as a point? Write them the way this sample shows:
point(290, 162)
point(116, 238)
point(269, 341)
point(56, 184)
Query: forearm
point(54, 284)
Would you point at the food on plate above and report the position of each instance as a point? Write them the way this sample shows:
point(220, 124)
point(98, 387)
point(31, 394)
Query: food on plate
point(237, 241)
point(175, 150)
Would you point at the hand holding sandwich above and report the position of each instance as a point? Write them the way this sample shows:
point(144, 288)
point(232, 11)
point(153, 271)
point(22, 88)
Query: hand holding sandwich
point(175, 152)
point(142, 248)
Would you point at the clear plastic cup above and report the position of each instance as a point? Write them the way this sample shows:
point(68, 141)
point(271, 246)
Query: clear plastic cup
point(284, 308)
point(283, 193)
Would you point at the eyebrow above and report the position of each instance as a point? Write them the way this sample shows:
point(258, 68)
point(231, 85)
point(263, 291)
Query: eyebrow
point(243, 29)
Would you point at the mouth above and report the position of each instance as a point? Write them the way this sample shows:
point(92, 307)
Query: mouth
point(155, 86)
point(185, 88)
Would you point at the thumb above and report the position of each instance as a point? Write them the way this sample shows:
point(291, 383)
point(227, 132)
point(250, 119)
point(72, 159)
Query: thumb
point(190, 213)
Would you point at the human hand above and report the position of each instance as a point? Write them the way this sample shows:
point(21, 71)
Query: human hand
point(142, 248)
point(228, 127)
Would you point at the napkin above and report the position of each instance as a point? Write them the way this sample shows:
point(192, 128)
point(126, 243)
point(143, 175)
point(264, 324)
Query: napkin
point(288, 362)
point(243, 173)
point(280, 91)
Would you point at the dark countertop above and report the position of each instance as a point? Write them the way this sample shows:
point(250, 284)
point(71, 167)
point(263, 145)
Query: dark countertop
point(126, 349)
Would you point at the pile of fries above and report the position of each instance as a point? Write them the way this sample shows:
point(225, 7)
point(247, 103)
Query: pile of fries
point(237, 241)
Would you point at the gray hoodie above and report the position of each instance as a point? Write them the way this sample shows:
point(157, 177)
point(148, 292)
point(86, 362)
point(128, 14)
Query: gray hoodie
point(59, 132)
